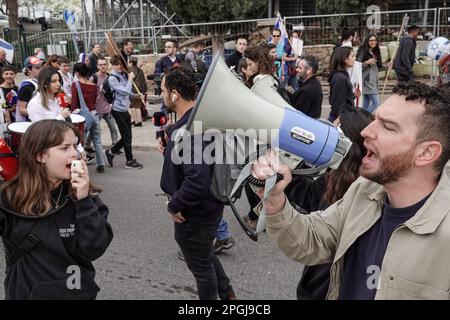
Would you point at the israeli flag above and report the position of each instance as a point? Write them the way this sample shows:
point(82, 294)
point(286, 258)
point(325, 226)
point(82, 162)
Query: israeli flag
point(280, 25)
point(9, 49)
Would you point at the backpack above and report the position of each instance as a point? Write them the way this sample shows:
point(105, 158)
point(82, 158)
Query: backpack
point(231, 172)
point(284, 93)
point(106, 90)
point(200, 73)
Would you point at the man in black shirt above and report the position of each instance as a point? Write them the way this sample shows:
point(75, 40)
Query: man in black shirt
point(406, 55)
point(233, 60)
point(93, 57)
point(194, 210)
point(308, 98)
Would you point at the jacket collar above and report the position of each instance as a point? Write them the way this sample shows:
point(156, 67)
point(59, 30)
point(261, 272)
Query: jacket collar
point(435, 209)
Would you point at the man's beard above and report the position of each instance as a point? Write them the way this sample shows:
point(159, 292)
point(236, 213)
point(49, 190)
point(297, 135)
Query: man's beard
point(392, 168)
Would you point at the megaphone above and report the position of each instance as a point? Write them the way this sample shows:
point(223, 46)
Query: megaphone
point(265, 86)
point(224, 103)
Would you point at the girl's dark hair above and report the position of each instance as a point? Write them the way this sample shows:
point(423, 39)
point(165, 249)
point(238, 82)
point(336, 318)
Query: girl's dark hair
point(52, 59)
point(363, 51)
point(353, 121)
point(29, 191)
point(261, 56)
point(337, 60)
point(8, 68)
point(82, 69)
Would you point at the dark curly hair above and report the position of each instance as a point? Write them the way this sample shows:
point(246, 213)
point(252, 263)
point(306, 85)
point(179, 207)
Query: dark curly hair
point(261, 56)
point(434, 121)
point(183, 80)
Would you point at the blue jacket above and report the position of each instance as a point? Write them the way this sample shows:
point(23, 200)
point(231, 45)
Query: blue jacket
point(188, 184)
point(122, 91)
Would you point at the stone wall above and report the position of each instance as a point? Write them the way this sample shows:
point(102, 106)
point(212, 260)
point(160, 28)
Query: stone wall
point(322, 53)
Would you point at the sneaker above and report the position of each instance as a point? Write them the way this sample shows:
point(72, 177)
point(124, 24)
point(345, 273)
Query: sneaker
point(109, 157)
point(89, 150)
point(224, 244)
point(119, 153)
point(101, 169)
point(231, 296)
point(251, 223)
point(180, 255)
point(90, 159)
point(133, 164)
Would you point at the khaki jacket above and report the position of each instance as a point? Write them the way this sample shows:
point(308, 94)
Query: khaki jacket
point(416, 264)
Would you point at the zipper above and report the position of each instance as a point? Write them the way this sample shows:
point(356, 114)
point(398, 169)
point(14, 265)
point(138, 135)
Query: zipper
point(37, 217)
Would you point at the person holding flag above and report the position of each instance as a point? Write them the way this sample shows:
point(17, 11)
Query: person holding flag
point(281, 40)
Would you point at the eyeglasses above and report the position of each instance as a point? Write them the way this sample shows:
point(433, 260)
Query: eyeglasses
point(276, 35)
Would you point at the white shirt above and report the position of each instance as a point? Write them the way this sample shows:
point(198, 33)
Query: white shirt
point(36, 110)
point(67, 83)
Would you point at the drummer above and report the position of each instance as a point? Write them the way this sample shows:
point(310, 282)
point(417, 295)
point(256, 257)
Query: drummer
point(44, 104)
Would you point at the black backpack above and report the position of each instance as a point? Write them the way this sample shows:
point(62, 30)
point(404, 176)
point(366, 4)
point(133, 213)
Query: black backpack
point(106, 90)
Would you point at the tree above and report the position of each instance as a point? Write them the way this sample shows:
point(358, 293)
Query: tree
point(10, 8)
point(192, 11)
point(348, 6)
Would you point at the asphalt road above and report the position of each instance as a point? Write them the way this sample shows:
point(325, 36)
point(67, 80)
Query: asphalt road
point(141, 262)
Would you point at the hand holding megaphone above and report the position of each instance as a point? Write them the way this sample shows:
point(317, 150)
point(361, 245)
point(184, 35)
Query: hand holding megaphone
point(267, 166)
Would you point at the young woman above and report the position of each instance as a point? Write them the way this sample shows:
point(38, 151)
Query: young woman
point(44, 104)
point(258, 62)
point(52, 222)
point(370, 56)
point(8, 94)
point(341, 89)
point(88, 90)
point(53, 62)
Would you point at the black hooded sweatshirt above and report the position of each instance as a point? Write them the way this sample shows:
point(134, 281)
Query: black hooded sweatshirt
point(60, 266)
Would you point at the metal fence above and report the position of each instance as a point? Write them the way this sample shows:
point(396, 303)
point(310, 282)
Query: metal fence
point(319, 29)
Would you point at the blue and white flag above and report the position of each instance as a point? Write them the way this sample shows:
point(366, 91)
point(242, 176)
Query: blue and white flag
point(279, 24)
point(9, 49)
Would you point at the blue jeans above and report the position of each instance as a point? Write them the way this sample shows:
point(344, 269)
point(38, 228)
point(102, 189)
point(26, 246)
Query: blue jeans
point(111, 125)
point(292, 81)
point(222, 232)
point(95, 134)
point(371, 102)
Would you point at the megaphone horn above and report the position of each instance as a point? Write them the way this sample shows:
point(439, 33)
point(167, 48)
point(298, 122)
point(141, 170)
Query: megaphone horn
point(225, 103)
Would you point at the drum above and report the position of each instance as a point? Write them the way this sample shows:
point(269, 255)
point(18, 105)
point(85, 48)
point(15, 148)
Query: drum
point(78, 122)
point(8, 161)
point(15, 133)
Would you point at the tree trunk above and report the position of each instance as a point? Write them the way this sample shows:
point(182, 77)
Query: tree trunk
point(13, 10)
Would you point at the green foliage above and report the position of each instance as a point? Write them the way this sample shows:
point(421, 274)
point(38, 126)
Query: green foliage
point(191, 11)
point(348, 6)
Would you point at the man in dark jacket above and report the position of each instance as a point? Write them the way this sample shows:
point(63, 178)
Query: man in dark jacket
point(406, 55)
point(195, 212)
point(233, 60)
point(308, 98)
